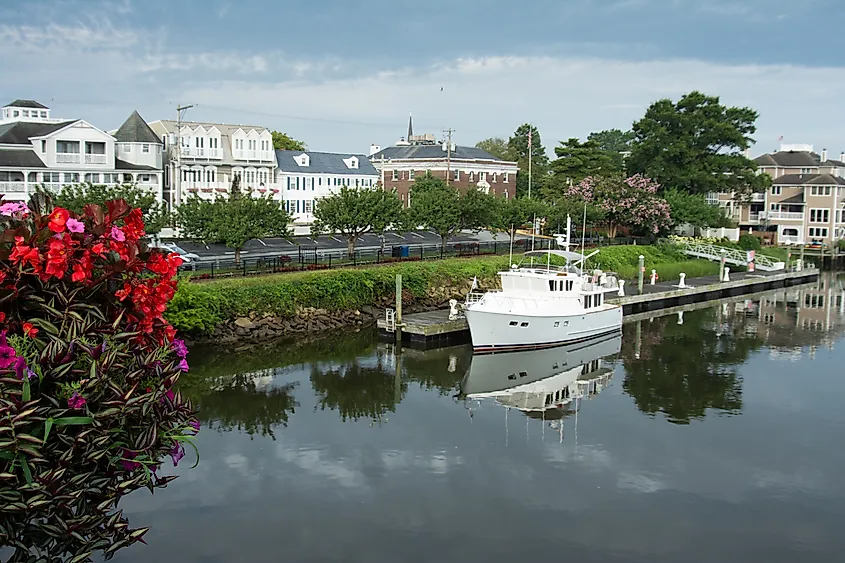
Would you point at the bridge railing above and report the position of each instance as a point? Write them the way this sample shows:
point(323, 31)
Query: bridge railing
point(732, 255)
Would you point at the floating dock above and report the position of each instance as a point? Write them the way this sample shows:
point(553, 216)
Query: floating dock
point(433, 329)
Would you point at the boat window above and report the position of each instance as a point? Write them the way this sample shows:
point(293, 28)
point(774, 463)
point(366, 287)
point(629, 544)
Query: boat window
point(598, 299)
point(523, 374)
point(513, 323)
point(512, 376)
point(588, 301)
point(552, 285)
point(565, 323)
point(524, 324)
point(569, 285)
point(557, 324)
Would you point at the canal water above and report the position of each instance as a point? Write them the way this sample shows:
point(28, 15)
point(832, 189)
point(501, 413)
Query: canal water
point(715, 435)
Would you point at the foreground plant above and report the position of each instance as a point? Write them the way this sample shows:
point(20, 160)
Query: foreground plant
point(87, 368)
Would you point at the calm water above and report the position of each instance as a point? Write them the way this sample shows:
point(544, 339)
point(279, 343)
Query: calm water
point(720, 438)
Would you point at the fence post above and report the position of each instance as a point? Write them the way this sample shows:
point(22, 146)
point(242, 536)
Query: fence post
point(212, 270)
point(640, 273)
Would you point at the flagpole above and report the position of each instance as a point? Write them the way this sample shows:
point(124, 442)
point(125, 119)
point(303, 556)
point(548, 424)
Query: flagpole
point(529, 161)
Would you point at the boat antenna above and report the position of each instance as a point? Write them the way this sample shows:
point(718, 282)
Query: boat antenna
point(510, 256)
point(533, 231)
point(584, 236)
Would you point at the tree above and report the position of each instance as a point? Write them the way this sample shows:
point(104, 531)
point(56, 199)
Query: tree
point(284, 142)
point(75, 197)
point(478, 209)
point(576, 160)
point(518, 150)
point(694, 209)
point(496, 146)
point(354, 212)
point(615, 143)
point(628, 202)
point(696, 145)
point(517, 212)
point(234, 221)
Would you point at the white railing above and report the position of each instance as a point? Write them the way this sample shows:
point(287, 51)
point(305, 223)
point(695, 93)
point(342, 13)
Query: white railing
point(753, 217)
point(93, 158)
point(194, 152)
point(732, 256)
point(12, 187)
point(67, 158)
point(243, 154)
point(757, 198)
point(52, 186)
point(783, 215)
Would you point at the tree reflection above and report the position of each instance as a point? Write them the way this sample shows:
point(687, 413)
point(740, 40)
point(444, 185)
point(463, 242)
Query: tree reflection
point(441, 369)
point(357, 391)
point(685, 369)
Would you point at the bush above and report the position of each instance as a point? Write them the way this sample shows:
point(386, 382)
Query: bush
point(87, 365)
point(749, 242)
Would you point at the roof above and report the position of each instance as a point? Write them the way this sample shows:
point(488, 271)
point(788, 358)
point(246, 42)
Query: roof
point(20, 132)
point(325, 163)
point(136, 130)
point(789, 158)
point(26, 104)
point(165, 127)
point(428, 152)
point(18, 158)
point(808, 180)
point(794, 200)
point(123, 165)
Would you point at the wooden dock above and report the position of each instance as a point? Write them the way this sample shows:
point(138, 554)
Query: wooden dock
point(433, 329)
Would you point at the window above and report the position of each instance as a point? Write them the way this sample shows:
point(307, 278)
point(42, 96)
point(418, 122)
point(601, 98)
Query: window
point(51, 177)
point(495, 177)
point(588, 301)
point(557, 324)
point(308, 206)
point(820, 190)
point(523, 324)
point(145, 178)
point(16, 113)
point(513, 323)
point(44, 114)
point(145, 149)
point(71, 178)
point(43, 146)
point(819, 232)
point(471, 176)
point(776, 190)
point(814, 301)
point(482, 176)
point(26, 113)
point(410, 174)
point(67, 147)
point(457, 176)
point(393, 175)
point(92, 178)
point(111, 178)
point(504, 177)
point(819, 216)
point(806, 171)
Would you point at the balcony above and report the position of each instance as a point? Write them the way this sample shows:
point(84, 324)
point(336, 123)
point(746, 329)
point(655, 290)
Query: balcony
point(12, 187)
point(68, 158)
point(263, 156)
point(757, 198)
point(92, 158)
point(755, 217)
point(195, 152)
point(782, 215)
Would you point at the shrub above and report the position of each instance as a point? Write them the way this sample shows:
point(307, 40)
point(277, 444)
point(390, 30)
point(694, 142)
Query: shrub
point(749, 242)
point(87, 365)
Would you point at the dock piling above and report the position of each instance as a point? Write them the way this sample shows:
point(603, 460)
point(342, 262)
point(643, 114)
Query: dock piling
point(640, 274)
point(399, 309)
point(727, 277)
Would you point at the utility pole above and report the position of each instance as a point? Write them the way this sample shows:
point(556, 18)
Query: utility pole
point(180, 112)
point(448, 154)
point(530, 151)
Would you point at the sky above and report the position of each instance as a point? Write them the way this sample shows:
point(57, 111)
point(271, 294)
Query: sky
point(343, 75)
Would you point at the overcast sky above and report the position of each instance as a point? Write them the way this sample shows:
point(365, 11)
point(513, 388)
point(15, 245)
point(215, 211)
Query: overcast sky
point(341, 75)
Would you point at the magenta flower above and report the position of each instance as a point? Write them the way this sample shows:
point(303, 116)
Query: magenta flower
point(195, 424)
point(117, 234)
point(180, 348)
point(7, 353)
point(9, 209)
point(76, 401)
point(21, 369)
point(127, 463)
point(183, 365)
point(75, 226)
point(177, 453)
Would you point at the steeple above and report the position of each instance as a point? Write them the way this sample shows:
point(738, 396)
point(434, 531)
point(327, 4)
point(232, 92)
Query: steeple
point(410, 127)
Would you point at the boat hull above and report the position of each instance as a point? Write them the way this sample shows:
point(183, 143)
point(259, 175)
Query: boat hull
point(507, 332)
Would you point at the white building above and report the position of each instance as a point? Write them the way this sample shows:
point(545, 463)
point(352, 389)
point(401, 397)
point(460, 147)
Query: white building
point(38, 149)
point(306, 177)
point(212, 155)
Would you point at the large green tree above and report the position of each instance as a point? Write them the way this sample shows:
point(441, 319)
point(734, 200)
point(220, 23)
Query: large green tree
point(696, 145)
point(694, 210)
point(445, 210)
point(496, 146)
point(284, 142)
point(74, 197)
point(615, 143)
point(233, 221)
point(354, 212)
point(576, 160)
point(518, 150)
point(513, 214)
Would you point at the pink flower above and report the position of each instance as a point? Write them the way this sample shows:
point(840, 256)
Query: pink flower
point(76, 401)
point(75, 226)
point(9, 209)
point(117, 234)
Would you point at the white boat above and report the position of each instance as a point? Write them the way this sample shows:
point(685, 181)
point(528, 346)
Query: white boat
point(542, 305)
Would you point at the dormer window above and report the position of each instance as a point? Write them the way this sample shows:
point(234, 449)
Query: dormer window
point(25, 113)
point(351, 162)
point(303, 160)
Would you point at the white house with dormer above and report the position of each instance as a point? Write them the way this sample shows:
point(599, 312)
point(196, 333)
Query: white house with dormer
point(37, 149)
point(307, 176)
point(208, 157)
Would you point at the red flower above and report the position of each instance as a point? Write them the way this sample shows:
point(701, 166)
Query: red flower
point(58, 220)
point(30, 330)
point(78, 274)
point(2, 317)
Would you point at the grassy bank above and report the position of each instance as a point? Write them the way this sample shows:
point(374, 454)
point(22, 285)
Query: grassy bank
point(199, 308)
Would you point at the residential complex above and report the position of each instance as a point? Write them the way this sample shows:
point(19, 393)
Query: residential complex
point(308, 176)
point(36, 149)
point(806, 202)
point(462, 167)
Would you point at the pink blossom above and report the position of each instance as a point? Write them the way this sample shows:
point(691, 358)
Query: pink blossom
point(75, 226)
point(117, 234)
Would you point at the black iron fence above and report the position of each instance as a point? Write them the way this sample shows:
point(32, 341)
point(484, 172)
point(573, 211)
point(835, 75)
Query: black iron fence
point(307, 258)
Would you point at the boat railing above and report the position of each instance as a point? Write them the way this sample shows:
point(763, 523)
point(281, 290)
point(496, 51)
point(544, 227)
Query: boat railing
point(476, 296)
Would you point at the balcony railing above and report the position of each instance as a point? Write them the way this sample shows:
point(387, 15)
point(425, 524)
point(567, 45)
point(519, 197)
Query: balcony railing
point(753, 217)
point(757, 198)
point(93, 158)
point(241, 154)
point(67, 158)
point(195, 152)
point(12, 187)
point(782, 215)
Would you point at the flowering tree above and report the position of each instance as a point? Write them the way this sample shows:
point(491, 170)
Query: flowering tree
point(625, 202)
point(87, 367)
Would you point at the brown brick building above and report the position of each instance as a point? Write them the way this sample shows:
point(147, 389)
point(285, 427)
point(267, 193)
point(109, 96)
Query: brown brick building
point(402, 163)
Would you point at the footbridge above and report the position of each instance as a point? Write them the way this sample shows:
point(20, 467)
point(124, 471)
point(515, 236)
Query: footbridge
point(732, 256)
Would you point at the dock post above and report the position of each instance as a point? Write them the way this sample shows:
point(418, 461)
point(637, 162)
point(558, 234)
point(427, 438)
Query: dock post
point(639, 341)
point(640, 274)
point(399, 309)
point(397, 376)
point(801, 258)
point(722, 263)
point(727, 277)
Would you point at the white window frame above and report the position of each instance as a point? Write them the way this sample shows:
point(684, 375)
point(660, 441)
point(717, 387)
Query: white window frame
point(820, 215)
point(777, 190)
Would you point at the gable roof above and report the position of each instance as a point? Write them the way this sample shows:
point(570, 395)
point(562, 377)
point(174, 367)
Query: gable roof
point(26, 104)
point(20, 132)
point(808, 180)
point(324, 163)
point(789, 158)
point(18, 158)
point(136, 130)
point(123, 165)
point(432, 152)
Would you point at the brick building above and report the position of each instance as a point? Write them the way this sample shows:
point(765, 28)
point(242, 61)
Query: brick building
point(409, 159)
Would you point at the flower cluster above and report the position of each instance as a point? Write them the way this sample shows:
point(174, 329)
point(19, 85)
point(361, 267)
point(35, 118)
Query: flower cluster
point(83, 339)
point(630, 202)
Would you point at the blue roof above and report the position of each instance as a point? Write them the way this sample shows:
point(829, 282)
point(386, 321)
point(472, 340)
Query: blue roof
point(325, 163)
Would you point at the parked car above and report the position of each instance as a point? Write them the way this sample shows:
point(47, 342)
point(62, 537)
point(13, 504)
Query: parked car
point(187, 257)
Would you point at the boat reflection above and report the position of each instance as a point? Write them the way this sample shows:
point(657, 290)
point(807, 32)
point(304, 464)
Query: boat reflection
point(544, 384)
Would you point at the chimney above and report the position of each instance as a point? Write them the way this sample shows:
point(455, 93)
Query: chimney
point(824, 155)
point(444, 146)
point(842, 157)
point(374, 149)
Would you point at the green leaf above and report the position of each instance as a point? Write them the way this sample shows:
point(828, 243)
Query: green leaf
point(25, 397)
point(27, 474)
point(48, 425)
point(73, 420)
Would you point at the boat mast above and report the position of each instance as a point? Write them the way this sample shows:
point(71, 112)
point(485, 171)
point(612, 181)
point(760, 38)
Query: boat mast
point(584, 236)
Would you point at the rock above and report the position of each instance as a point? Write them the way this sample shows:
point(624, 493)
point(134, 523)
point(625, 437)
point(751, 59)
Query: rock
point(243, 348)
point(244, 322)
